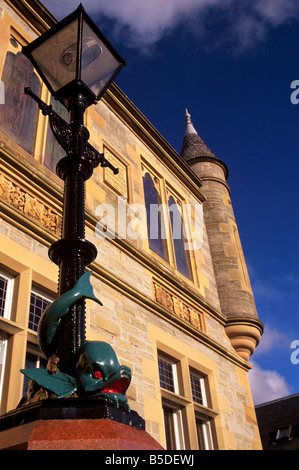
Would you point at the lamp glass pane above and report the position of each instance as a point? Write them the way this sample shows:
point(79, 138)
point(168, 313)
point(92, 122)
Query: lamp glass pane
point(57, 56)
point(98, 63)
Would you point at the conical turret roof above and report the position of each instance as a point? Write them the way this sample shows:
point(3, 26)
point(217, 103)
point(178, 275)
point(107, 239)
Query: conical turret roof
point(193, 146)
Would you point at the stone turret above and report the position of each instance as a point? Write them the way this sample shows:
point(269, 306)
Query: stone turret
point(236, 298)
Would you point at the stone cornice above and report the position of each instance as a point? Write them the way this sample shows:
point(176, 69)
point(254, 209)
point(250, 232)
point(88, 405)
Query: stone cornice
point(34, 12)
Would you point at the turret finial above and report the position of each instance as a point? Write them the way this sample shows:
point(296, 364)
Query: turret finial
point(189, 126)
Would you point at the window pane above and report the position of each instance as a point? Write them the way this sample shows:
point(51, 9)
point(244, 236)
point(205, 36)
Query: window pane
point(200, 434)
point(197, 393)
point(203, 434)
point(37, 307)
point(54, 151)
point(283, 432)
point(3, 342)
point(32, 361)
point(6, 284)
point(169, 428)
point(166, 374)
point(173, 427)
point(3, 292)
point(178, 237)
point(18, 116)
point(154, 225)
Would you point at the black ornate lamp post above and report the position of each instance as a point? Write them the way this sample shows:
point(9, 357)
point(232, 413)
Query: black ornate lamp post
point(77, 64)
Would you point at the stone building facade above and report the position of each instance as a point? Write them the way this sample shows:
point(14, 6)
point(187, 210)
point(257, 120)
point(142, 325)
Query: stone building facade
point(184, 320)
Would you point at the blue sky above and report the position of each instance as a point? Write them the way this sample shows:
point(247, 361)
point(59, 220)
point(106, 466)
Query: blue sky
point(231, 64)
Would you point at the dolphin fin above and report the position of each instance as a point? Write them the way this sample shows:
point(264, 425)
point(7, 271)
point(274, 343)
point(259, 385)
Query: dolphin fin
point(59, 383)
point(83, 288)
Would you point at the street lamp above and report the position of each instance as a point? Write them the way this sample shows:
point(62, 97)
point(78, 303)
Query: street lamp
point(74, 58)
point(77, 64)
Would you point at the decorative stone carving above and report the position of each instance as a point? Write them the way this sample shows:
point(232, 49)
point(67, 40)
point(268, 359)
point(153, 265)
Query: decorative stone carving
point(163, 297)
point(181, 309)
point(195, 319)
point(177, 306)
point(17, 197)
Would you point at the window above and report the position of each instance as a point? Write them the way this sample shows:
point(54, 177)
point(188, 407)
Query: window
point(29, 131)
point(17, 74)
point(17, 330)
point(165, 223)
point(167, 373)
point(284, 432)
point(173, 427)
point(177, 230)
point(197, 387)
point(3, 290)
point(38, 303)
point(203, 431)
point(6, 287)
point(3, 345)
point(156, 238)
point(184, 429)
point(33, 360)
point(53, 151)
point(172, 412)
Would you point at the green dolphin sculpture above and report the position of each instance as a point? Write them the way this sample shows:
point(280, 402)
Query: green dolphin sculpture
point(52, 315)
point(98, 373)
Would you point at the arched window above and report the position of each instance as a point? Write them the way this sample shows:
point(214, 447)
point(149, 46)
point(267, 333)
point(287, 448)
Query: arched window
point(176, 223)
point(165, 224)
point(154, 216)
point(18, 116)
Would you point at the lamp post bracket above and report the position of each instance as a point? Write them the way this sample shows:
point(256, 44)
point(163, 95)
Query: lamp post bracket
point(64, 135)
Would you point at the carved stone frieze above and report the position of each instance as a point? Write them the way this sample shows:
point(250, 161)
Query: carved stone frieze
point(177, 306)
point(17, 197)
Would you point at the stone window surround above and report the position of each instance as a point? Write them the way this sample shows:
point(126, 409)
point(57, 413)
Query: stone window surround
point(186, 412)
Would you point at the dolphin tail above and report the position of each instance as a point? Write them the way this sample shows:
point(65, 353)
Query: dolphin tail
point(53, 313)
point(83, 288)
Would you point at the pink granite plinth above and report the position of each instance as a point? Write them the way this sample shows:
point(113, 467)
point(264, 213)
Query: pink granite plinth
point(76, 434)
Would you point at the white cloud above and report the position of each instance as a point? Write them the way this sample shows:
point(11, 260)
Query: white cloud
point(277, 11)
point(267, 385)
point(145, 23)
point(272, 339)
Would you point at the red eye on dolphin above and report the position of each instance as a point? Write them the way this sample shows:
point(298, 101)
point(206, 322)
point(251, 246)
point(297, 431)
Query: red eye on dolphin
point(97, 374)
